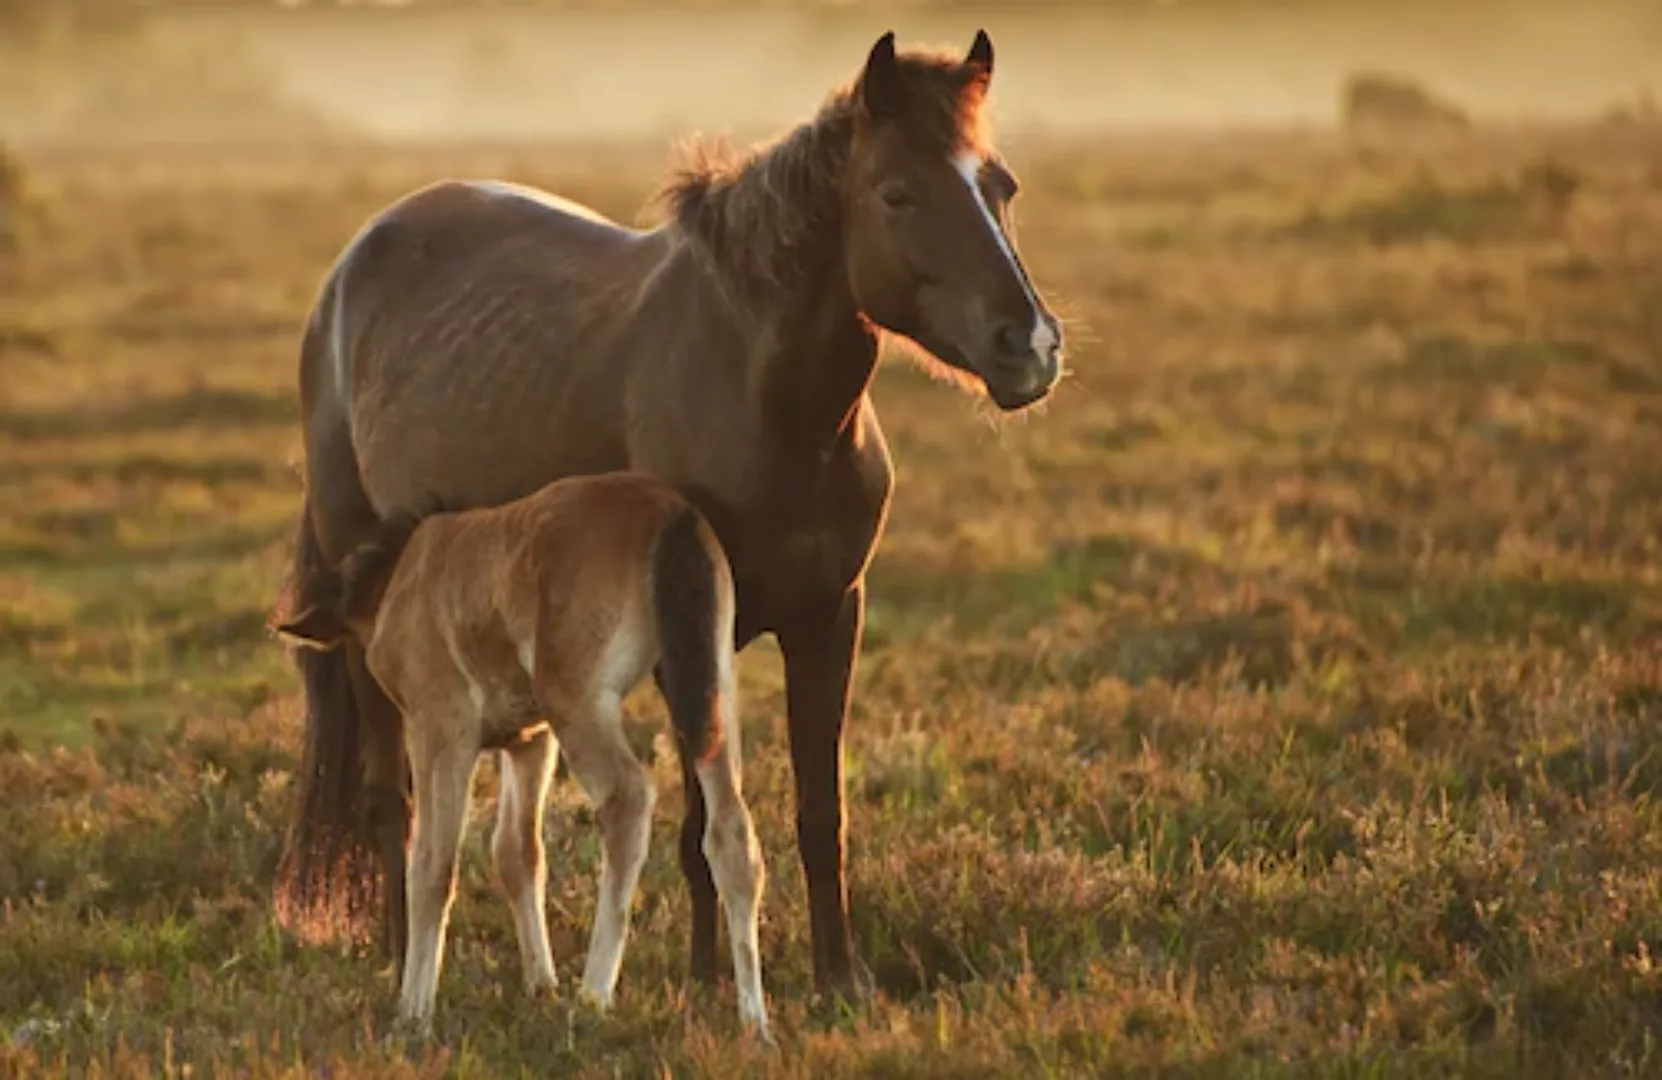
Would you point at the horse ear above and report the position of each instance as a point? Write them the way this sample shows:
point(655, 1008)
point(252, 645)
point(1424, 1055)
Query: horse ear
point(979, 59)
point(315, 628)
point(879, 84)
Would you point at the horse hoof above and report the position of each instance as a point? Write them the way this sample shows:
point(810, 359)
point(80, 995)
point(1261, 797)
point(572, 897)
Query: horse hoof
point(865, 983)
point(858, 988)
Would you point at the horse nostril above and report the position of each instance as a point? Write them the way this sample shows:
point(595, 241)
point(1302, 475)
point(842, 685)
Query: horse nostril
point(1012, 340)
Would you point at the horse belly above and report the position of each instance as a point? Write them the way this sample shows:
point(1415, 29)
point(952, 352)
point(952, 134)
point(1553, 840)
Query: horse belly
point(489, 433)
point(465, 469)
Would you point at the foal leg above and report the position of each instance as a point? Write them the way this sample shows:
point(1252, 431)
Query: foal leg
point(517, 846)
point(622, 792)
point(736, 861)
point(443, 775)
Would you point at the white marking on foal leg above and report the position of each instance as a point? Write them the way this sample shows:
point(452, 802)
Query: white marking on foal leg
point(736, 864)
point(1043, 335)
point(622, 792)
point(442, 781)
point(521, 862)
point(627, 820)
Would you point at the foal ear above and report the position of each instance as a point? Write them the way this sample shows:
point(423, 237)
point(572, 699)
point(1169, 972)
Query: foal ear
point(879, 82)
point(979, 59)
point(315, 628)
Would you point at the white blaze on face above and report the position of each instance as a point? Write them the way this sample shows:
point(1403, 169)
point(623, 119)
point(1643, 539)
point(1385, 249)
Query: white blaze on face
point(968, 164)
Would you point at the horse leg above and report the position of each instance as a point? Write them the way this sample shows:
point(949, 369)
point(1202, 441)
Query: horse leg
point(443, 773)
point(386, 804)
point(819, 669)
point(623, 795)
point(517, 846)
point(695, 867)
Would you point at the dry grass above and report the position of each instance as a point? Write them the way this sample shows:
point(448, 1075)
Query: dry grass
point(1281, 701)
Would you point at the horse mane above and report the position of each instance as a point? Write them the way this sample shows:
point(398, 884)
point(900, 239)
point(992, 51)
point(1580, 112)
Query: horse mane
point(762, 216)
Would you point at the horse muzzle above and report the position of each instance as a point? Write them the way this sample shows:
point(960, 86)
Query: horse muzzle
point(1016, 380)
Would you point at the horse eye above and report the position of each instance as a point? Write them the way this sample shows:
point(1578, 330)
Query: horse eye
point(895, 196)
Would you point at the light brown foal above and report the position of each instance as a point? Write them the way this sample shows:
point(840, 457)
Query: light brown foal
point(521, 628)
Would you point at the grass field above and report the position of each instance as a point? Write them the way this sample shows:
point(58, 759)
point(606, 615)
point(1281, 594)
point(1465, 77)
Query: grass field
point(1281, 700)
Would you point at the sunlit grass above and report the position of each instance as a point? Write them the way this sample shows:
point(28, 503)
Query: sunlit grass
point(1281, 701)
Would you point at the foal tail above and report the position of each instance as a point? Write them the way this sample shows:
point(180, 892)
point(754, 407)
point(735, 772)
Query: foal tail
point(692, 601)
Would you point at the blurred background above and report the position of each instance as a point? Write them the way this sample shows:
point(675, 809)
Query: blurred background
point(437, 69)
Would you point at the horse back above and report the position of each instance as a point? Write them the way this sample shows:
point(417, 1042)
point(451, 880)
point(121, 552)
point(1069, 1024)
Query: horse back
point(457, 330)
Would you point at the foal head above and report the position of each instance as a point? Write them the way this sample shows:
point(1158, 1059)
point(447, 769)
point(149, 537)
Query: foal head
point(930, 252)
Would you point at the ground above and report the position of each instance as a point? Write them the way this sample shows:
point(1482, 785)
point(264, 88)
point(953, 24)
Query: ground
point(1279, 700)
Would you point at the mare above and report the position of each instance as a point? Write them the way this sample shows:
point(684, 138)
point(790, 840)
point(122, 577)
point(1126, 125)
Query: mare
point(521, 628)
point(476, 340)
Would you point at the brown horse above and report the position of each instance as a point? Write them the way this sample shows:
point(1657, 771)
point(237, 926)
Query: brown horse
point(477, 340)
point(521, 628)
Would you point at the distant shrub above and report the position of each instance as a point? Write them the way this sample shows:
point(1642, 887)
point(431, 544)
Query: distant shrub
point(11, 175)
point(1536, 199)
point(12, 186)
point(1642, 109)
point(1380, 102)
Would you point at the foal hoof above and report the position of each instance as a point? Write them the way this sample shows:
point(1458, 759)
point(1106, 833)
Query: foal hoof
point(542, 989)
point(409, 1033)
point(594, 1000)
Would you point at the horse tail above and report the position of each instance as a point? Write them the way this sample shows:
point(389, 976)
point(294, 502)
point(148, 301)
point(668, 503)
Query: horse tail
point(343, 859)
point(692, 600)
point(327, 881)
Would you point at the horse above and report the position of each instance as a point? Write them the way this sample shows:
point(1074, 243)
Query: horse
point(477, 339)
point(521, 628)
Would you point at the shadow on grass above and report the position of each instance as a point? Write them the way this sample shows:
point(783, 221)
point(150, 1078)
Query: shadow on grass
point(1266, 641)
point(1456, 359)
point(1022, 596)
point(145, 468)
point(1212, 624)
point(212, 407)
point(89, 543)
point(1531, 203)
point(1506, 609)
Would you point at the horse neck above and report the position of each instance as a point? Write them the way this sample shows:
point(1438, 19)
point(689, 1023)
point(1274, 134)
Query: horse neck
point(815, 356)
point(770, 236)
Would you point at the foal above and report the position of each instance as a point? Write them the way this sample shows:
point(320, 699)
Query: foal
point(521, 628)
